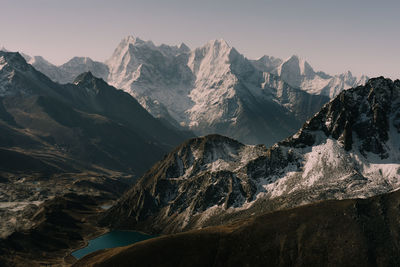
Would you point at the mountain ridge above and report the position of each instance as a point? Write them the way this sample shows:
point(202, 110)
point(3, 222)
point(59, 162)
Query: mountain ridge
point(67, 106)
point(355, 232)
point(212, 89)
point(347, 150)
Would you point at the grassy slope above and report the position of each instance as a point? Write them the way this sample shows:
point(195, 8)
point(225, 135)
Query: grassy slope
point(330, 233)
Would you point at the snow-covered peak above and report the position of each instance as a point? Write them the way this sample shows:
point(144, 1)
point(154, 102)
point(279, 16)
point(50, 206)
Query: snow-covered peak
point(16, 75)
point(38, 60)
point(184, 48)
point(359, 118)
point(14, 60)
point(298, 73)
point(267, 63)
point(80, 60)
point(212, 58)
point(294, 67)
point(130, 54)
point(218, 44)
point(131, 40)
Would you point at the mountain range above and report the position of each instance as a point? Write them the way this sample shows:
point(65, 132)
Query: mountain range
point(214, 88)
point(82, 125)
point(85, 140)
point(350, 149)
point(273, 135)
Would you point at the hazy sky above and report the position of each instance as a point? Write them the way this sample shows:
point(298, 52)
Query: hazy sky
point(332, 35)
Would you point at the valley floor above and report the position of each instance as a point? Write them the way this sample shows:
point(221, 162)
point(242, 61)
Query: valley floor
point(43, 222)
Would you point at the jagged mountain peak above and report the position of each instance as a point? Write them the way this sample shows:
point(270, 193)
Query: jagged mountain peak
point(19, 77)
point(218, 43)
point(184, 48)
point(132, 52)
point(209, 149)
point(215, 145)
point(13, 59)
point(360, 118)
point(350, 149)
point(89, 81)
point(84, 77)
point(199, 154)
point(270, 60)
point(83, 60)
point(212, 59)
point(295, 66)
point(218, 48)
point(267, 63)
point(131, 40)
point(38, 60)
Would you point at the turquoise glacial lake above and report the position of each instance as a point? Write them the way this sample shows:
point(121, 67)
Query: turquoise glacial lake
point(111, 240)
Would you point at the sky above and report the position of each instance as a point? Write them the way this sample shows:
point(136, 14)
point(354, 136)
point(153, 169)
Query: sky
point(332, 35)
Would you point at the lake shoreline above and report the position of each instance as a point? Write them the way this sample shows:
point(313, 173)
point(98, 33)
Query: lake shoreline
point(117, 240)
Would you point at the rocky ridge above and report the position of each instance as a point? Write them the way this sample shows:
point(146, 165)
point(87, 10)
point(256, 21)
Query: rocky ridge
point(349, 149)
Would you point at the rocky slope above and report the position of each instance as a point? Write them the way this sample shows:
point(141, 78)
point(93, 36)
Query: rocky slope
point(86, 137)
point(88, 122)
point(349, 149)
point(58, 225)
point(359, 232)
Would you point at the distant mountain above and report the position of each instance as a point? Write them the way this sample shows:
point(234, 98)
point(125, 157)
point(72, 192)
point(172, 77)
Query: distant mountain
point(213, 88)
point(157, 76)
point(67, 72)
point(350, 149)
point(87, 125)
point(299, 74)
point(359, 232)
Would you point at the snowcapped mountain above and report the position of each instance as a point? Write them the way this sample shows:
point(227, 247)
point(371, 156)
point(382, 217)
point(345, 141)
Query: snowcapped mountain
point(155, 75)
point(350, 149)
point(298, 73)
point(76, 126)
point(78, 65)
point(267, 63)
point(67, 72)
point(18, 77)
point(212, 89)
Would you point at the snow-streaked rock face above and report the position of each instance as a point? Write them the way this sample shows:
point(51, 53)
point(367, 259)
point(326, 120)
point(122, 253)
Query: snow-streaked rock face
point(214, 95)
point(155, 75)
point(78, 65)
point(67, 72)
point(267, 63)
point(11, 66)
point(350, 149)
point(298, 73)
point(212, 89)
